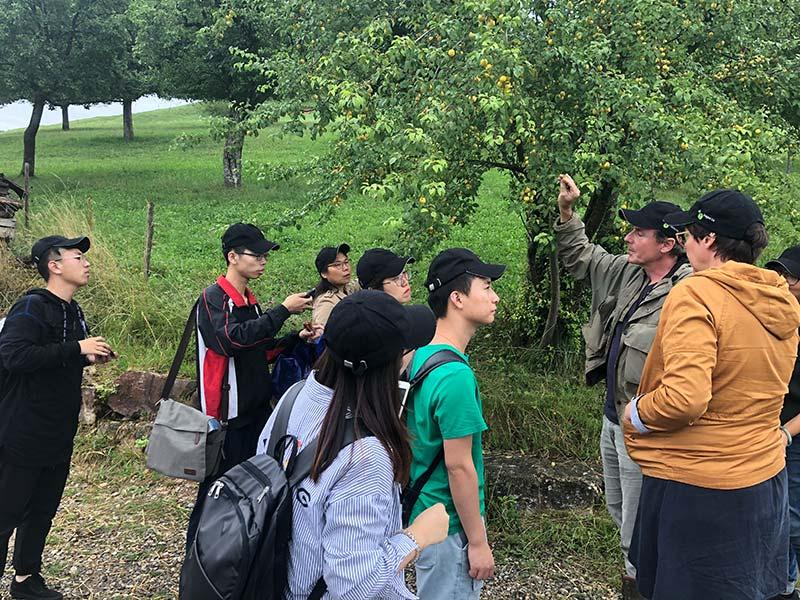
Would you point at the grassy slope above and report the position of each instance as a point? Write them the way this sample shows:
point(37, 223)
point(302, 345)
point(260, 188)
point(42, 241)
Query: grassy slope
point(90, 178)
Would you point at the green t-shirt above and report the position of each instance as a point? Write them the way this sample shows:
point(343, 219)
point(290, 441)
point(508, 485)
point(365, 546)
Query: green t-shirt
point(445, 406)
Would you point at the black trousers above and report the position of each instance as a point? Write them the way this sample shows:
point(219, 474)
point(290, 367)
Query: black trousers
point(240, 444)
point(29, 499)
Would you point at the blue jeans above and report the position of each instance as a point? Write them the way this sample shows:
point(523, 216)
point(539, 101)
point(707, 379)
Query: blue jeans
point(793, 476)
point(443, 571)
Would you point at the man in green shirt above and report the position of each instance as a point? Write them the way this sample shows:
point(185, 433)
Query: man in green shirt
point(447, 414)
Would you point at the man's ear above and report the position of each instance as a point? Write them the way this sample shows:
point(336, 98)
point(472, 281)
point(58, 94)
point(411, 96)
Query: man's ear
point(455, 298)
point(232, 257)
point(670, 247)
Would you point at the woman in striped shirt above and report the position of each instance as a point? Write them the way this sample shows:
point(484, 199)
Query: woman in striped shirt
point(347, 539)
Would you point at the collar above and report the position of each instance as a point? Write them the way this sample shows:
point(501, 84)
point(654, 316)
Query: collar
point(233, 293)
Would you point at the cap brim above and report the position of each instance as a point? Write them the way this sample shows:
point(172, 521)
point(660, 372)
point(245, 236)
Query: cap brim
point(488, 270)
point(680, 219)
point(263, 246)
point(421, 326)
point(784, 264)
point(79, 243)
point(635, 218)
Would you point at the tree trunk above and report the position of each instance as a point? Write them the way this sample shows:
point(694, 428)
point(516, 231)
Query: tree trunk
point(29, 138)
point(65, 117)
point(232, 159)
point(127, 120)
point(599, 206)
point(550, 332)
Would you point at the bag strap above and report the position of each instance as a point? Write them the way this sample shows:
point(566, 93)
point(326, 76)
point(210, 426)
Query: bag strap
point(281, 422)
point(181, 352)
point(319, 589)
point(435, 360)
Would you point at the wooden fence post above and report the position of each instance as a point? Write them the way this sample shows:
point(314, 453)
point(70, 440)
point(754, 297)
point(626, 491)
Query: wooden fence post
point(148, 243)
point(26, 194)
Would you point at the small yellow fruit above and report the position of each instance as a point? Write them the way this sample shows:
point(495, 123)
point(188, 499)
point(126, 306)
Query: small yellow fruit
point(606, 165)
point(451, 53)
point(422, 200)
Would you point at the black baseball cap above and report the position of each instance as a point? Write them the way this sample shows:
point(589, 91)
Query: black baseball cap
point(453, 262)
point(40, 247)
point(377, 264)
point(328, 255)
point(244, 235)
point(788, 261)
point(369, 328)
point(651, 216)
point(725, 212)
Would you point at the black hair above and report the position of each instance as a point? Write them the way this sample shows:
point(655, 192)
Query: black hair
point(237, 249)
point(41, 265)
point(439, 299)
point(746, 251)
point(373, 400)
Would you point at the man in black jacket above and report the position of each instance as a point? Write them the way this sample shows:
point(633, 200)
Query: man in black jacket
point(788, 265)
point(235, 342)
point(44, 346)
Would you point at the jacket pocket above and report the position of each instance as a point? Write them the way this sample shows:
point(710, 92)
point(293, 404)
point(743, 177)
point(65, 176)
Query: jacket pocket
point(636, 342)
point(594, 332)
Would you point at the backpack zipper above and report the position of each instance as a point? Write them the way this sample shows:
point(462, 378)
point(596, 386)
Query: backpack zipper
point(260, 477)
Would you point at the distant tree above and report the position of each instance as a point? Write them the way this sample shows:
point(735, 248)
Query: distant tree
point(56, 52)
point(188, 44)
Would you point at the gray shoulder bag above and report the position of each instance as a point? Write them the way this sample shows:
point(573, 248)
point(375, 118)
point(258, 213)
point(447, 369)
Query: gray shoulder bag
point(180, 443)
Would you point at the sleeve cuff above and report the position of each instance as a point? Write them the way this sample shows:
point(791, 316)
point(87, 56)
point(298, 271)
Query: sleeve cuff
point(402, 544)
point(280, 312)
point(636, 420)
point(71, 349)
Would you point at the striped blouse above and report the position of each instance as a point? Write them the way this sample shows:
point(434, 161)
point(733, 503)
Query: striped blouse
point(344, 526)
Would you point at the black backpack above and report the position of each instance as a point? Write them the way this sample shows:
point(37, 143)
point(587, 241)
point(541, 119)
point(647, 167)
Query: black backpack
point(241, 548)
point(412, 490)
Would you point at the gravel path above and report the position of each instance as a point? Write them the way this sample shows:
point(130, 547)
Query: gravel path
point(120, 534)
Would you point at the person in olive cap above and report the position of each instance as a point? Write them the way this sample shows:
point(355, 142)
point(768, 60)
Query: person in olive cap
point(380, 269)
point(788, 265)
point(234, 339)
point(445, 420)
point(628, 291)
point(334, 284)
point(704, 426)
point(347, 526)
point(44, 346)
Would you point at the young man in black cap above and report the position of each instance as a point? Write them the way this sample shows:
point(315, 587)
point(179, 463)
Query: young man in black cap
point(234, 337)
point(788, 265)
point(334, 284)
point(44, 347)
point(446, 417)
point(380, 269)
point(628, 292)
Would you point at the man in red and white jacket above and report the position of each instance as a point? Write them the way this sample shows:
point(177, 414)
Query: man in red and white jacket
point(235, 342)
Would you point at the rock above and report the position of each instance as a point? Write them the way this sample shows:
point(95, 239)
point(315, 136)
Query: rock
point(88, 415)
point(543, 483)
point(137, 393)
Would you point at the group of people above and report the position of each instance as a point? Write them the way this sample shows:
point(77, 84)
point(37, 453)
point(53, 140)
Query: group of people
point(697, 347)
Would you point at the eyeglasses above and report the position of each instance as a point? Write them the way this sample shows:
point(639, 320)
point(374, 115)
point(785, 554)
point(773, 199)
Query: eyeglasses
point(682, 236)
point(78, 257)
point(791, 279)
point(258, 257)
point(399, 280)
point(339, 265)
